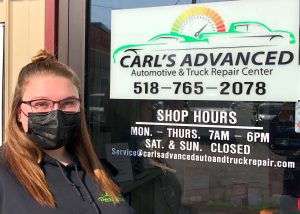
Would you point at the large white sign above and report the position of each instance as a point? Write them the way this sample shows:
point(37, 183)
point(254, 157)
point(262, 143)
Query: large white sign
point(242, 50)
point(1, 77)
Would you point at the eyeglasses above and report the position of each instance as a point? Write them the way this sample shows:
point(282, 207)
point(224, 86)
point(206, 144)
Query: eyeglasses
point(44, 105)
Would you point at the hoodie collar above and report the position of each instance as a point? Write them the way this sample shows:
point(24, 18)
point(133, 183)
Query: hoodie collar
point(48, 160)
point(75, 165)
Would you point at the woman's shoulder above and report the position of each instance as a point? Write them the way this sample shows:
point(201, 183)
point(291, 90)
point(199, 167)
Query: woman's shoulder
point(4, 171)
point(5, 175)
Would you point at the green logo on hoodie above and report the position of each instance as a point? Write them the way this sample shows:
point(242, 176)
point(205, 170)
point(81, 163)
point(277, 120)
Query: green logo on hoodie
point(105, 198)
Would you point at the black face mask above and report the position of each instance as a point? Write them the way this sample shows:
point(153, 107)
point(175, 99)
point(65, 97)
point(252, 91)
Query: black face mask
point(54, 129)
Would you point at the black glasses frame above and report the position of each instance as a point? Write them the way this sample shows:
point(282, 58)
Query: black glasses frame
point(28, 102)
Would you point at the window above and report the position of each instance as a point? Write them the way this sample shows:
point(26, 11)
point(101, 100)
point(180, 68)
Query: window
point(240, 171)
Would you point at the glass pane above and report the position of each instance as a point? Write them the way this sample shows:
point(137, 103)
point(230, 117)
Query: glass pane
point(236, 170)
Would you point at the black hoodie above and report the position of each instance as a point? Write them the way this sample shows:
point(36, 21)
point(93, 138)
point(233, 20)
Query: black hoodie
point(74, 190)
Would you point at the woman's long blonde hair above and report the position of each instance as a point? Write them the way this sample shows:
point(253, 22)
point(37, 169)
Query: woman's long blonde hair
point(22, 157)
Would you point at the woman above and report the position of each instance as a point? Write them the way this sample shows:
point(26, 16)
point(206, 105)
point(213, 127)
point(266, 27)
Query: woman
point(47, 162)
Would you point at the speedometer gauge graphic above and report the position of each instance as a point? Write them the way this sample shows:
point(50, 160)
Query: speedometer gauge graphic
point(197, 20)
